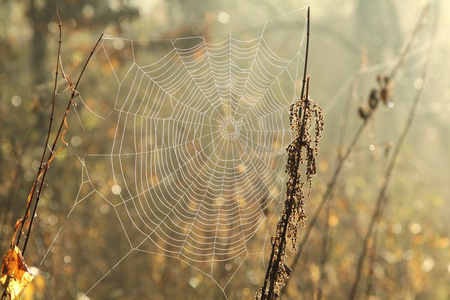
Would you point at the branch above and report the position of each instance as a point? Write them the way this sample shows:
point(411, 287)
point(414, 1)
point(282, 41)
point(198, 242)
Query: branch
point(36, 181)
point(61, 132)
point(381, 201)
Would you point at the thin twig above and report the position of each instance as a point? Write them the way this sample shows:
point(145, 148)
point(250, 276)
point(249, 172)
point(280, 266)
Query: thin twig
point(305, 69)
point(407, 48)
point(380, 204)
point(33, 190)
point(370, 277)
point(42, 171)
point(61, 133)
point(325, 253)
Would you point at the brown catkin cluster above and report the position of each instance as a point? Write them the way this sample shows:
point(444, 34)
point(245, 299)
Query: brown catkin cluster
point(302, 150)
point(304, 114)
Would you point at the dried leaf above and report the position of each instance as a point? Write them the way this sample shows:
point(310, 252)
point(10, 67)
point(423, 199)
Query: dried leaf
point(15, 273)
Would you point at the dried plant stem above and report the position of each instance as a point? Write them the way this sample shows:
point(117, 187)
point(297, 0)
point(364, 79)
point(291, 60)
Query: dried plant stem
point(381, 200)
point(41, 165)
point(305, 69)
point(39, 181)
point(343, 158)
point(42, 169)
point(278, 251)
point(372, 258)
point(326, 245)
point(407, 48)
point(327, 195)
point(295, 194)
point(60, 134)
point(269, 289)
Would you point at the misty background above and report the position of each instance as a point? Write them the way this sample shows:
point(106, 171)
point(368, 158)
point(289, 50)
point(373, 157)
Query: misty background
point(352, 41)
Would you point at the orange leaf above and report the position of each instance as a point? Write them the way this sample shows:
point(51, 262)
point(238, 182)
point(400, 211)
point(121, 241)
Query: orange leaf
point(15, 274)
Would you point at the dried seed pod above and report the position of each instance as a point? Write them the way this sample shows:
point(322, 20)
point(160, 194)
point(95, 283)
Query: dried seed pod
point(307, 126)
point(384, 95)
point(363, 113)
point(373, 99)
point(288, 270)
point(379, 76)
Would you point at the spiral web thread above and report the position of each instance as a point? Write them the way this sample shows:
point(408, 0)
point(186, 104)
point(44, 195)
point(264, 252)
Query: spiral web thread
point(196, 132)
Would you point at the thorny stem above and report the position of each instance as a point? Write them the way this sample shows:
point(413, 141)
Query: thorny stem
point(380, 204)
point(272, 268)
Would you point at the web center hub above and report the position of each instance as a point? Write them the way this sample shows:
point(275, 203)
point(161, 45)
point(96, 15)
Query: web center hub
point(230, 128)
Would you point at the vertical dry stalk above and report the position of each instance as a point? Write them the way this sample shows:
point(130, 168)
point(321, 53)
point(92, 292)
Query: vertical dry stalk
point(302, 150)
point(305, 116)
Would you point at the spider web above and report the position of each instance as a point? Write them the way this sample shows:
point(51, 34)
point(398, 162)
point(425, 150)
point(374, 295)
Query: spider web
point(185, 142)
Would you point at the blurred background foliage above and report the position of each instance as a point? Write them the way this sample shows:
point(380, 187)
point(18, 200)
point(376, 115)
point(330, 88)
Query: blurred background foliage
point(347, 38)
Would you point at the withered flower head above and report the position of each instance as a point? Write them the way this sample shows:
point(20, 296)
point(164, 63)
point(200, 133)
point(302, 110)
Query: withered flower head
point(307, 122)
